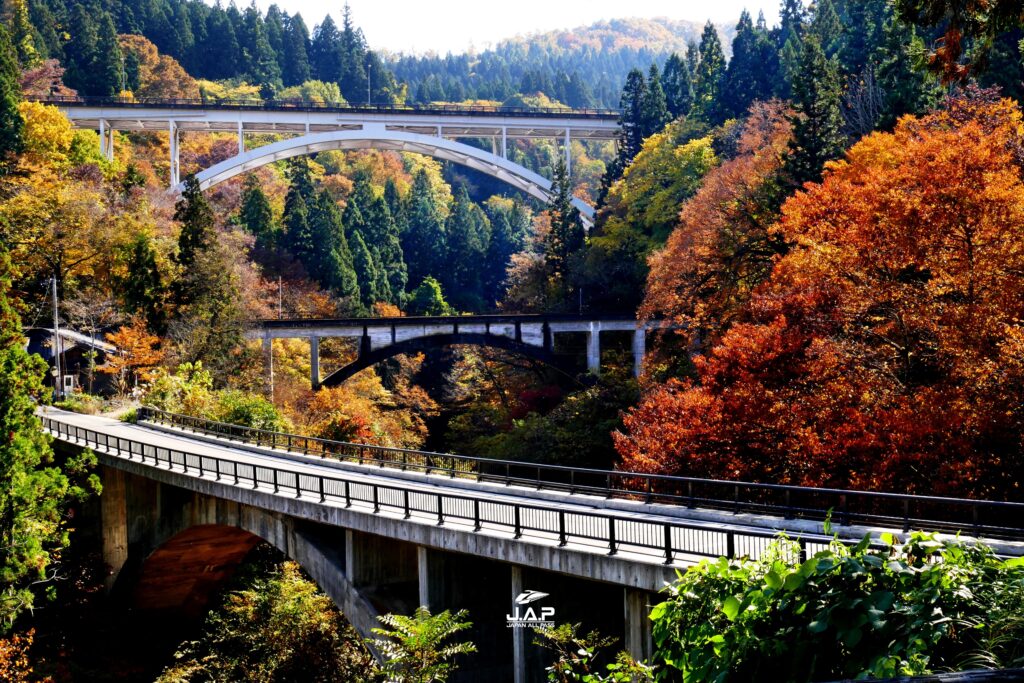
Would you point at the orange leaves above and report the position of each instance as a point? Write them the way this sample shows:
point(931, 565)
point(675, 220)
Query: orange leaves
point(886, 349)
point(721, 249)
point(137, 357)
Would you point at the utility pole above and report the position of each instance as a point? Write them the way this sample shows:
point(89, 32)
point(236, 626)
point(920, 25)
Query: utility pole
point(280, 299)
point(58, 378)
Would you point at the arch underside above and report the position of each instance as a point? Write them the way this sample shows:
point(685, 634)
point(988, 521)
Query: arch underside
point(493, 165)
point(184, 573)
point(436, 341)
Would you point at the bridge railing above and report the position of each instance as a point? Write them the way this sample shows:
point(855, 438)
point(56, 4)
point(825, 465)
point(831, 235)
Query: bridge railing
point(307, 106)
point(991, 519)
point(663, 541)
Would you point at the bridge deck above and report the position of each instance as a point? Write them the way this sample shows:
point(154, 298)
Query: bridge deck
point(307, 117)
point(639, 535)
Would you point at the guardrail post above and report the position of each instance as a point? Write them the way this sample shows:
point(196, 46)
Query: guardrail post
point(518, 525)
point(611, 536)
point(405, 497)
point(275, 480)
point(844, 513)
point(608, 487)
point(440, 510)
point(561, 529)
point(298, 485)
point(730, 544)
point(668, 544)
point(323, 496)
point(789, 504)
point(802, 542)
point(906, 515)
point(348, 497)
point(217, 464)
point(376, 500)
point(476, 514)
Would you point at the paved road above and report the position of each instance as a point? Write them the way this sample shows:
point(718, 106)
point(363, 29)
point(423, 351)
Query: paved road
point(640, 531)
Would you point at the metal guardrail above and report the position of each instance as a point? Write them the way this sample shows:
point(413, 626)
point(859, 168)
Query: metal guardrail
point(981, 518)
point(475, 319)
point(330, 107)
point(610, 534)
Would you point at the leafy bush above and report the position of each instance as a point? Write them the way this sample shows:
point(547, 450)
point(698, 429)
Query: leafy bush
point(908, 609)
point(189, 390)
point(86, 404)
point(576, 654)
point(250, 410)
point(417, 647)
point(275, 626)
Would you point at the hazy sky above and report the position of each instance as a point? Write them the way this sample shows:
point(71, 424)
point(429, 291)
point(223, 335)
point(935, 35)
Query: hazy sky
point(454, 25)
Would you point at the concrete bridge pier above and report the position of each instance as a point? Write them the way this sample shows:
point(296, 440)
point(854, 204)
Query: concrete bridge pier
point(639, 350)
point(114, 524)
point(314, 362)
point(594, 349)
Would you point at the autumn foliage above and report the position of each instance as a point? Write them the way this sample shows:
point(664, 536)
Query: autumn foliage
point(137, 357)
point(886, 350)
point(722, 248)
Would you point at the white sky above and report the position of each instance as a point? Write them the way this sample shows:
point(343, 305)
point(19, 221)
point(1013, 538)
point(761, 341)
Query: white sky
point(455, 25)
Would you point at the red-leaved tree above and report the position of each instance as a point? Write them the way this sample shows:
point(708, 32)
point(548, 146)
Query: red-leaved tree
point(886, 350)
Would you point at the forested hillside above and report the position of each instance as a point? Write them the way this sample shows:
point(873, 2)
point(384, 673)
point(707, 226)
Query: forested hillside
point(582, 67)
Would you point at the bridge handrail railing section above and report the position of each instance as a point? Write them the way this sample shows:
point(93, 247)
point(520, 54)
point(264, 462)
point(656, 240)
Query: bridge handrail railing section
point(607, 533)
point(308, 106)
point(992, 519)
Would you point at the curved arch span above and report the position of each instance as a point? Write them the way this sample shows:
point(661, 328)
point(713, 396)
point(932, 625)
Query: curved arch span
point(515, 175)
point(371, 358)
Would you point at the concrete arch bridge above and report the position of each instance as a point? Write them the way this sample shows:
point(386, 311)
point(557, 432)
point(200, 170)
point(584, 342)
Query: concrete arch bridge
point(528, 335)
point(431, 130)
point(385, 530)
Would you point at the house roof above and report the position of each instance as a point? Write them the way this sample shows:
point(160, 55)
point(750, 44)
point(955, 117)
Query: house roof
point(39, 336)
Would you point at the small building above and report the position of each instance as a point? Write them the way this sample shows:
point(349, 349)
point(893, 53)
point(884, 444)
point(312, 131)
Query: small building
point(81, 357)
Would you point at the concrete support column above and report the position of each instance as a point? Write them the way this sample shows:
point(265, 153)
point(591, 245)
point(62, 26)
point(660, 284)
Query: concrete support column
point(494, 146)
point(173, 133)
point(639, 350)
point(594, 349)
point(504, 143)
point(568, 153)
point(268, 361)
point(518, 634)
point(638, 625)
point(314, 362)
point(423, 575)
point(114, 517)
point(350, 556)
point(241, 138)
point(106, 140)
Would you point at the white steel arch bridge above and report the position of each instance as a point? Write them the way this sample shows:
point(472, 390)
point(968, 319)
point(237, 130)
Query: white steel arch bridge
point(431, 130)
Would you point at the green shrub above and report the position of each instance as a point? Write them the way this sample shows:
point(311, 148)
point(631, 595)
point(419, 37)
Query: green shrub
point(910, 609)
point(86, 404)
point(248, 410)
